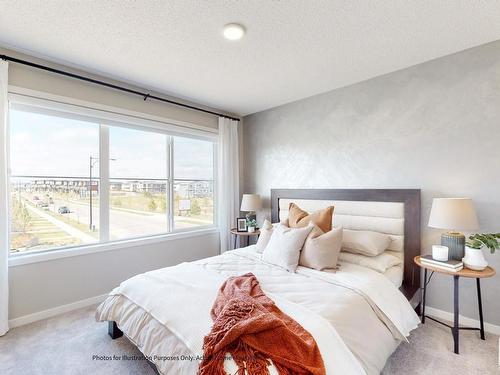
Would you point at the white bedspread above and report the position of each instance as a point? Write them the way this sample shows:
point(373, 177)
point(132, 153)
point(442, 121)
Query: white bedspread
point(357, 317)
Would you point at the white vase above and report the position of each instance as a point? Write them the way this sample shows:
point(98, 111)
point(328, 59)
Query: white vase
point(251, 229)
point(474, 259)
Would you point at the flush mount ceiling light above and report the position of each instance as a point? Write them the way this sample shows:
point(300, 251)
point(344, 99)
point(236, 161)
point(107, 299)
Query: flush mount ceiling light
point(233, 31)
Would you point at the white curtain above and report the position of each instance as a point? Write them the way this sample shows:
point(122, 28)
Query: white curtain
point(228, 180)
point(4, 206)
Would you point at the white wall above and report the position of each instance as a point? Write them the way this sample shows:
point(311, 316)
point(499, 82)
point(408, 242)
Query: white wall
point(40, 286)
point(45, 285)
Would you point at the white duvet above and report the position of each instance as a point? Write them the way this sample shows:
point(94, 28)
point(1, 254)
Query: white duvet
point(356, 315)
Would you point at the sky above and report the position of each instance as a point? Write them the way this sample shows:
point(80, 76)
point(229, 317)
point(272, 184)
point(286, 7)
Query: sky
point(43, 145)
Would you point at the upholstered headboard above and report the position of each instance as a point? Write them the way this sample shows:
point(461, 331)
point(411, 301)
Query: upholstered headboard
point(392, 211)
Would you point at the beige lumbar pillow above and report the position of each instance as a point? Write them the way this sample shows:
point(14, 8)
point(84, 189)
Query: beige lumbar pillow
point(380, 263)
point(284, 246)
point(365, 242)
point(321, 250)
point(265, 235)
point(298, 218)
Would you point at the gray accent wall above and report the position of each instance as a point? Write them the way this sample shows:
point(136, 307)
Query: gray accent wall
point(434, 126)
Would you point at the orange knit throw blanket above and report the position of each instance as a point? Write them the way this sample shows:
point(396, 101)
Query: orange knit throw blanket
point(249, 326)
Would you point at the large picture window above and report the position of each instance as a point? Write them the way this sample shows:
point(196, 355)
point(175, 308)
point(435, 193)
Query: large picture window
point(155, 182)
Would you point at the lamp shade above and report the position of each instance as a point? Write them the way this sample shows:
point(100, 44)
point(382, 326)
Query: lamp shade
point(453, 214)
point(250, 202)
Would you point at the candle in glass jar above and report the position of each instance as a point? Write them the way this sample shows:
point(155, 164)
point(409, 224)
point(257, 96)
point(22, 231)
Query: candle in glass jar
point(440, 253)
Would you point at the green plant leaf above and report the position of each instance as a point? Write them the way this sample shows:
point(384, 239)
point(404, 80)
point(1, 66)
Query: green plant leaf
point(490, 240)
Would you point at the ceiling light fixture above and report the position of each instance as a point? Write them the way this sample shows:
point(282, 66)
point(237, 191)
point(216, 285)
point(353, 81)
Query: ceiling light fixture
point(233, 31)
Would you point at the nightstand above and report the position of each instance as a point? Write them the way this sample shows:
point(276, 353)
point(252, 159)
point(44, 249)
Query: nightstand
point(235, 232)
point(487, 272)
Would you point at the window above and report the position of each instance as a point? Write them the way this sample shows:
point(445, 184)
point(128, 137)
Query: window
point(193, 182)
point(154, 182)
point(138, 183)
point(50, 195)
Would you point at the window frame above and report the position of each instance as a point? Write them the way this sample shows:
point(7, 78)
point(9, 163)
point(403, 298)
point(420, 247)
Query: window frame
point(106, 117)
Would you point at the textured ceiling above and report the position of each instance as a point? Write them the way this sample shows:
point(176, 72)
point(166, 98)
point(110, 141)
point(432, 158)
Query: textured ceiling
point(293, 49)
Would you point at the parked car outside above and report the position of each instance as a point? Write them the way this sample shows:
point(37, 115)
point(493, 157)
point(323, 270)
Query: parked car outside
point(63, 210)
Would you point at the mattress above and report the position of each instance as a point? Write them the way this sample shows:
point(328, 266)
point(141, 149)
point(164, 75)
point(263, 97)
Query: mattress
point(368, 338)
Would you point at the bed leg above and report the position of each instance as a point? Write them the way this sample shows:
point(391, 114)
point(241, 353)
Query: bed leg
point(113, 331)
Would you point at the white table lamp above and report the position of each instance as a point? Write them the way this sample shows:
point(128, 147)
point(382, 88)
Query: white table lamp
point(251, 203)
point(453, 214)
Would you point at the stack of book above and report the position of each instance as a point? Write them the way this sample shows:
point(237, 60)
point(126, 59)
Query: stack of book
point(450, 265)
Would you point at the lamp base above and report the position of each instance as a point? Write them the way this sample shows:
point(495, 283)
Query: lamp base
point(251, 215)
point(455, 242)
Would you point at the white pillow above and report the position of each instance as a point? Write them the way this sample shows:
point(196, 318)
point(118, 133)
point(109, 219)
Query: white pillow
point(365, 242)
point(284, 246)
point(380, 263)
point(265, 235)
point(321, 250)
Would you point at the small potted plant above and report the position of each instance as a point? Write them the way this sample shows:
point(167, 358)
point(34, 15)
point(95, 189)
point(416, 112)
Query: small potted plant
point(474, 257)
point(251, 225)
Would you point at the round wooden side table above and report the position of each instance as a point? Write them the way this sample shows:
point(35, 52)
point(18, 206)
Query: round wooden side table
point(487, 272)
point(235, 232)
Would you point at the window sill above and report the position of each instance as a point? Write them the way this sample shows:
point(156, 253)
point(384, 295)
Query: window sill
point(28, 258)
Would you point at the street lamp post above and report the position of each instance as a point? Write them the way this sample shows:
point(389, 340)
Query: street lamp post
point(92, 162)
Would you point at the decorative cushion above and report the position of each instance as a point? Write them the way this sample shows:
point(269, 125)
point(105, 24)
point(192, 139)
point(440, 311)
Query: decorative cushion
point(380, 263)
point(265, 235)
point(298, 218)
point(284, 246)
point(321, 250)
point(365, 242)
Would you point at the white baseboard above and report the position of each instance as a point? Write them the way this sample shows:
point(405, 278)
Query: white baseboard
point(463, 320)
point(30, 318)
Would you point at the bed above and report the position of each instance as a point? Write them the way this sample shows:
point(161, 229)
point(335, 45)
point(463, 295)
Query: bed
point(357, 316)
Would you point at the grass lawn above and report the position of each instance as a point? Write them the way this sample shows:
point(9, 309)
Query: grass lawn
point(153, 203)
point(41, 234)
point(140, 202)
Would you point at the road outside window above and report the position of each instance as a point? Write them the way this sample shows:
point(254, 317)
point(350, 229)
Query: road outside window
point(50, 181)
point(138, 183)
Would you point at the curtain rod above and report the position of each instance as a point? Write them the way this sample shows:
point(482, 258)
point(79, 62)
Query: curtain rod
point(145, 96)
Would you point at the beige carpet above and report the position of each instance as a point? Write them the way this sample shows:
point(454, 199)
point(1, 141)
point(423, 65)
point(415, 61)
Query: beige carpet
point(65, 345)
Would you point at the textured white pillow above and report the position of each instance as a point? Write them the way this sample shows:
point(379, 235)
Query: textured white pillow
point(365, 242)
point(265, 235)
point(321, 250)
point(284, 246)
point(380, 263)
